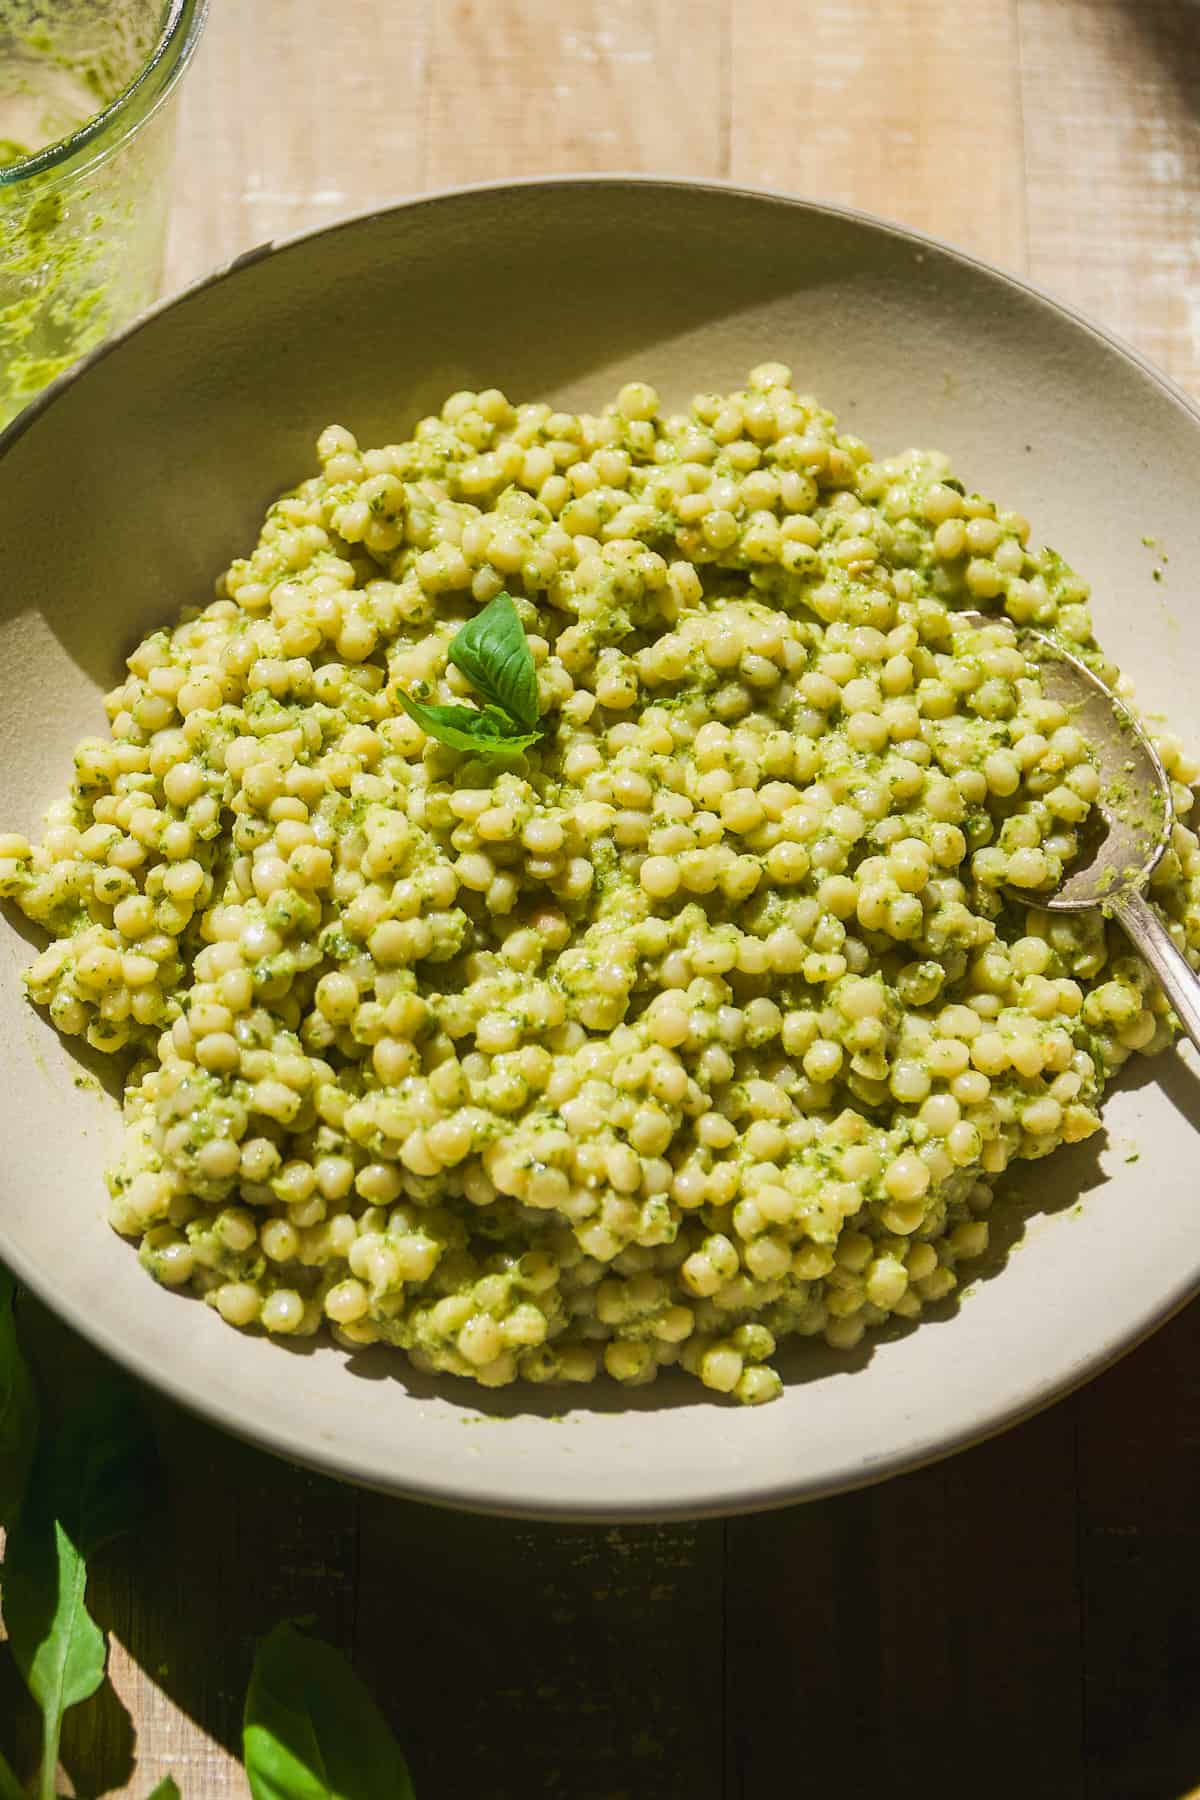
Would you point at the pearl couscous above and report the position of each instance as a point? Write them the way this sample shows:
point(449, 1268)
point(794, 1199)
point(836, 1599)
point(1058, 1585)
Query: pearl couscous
point(707, 1020)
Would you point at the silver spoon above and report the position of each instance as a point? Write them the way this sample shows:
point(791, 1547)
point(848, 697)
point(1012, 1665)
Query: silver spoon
point(1135, 804)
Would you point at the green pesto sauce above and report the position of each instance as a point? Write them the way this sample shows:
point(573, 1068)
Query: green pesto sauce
point(70, 259)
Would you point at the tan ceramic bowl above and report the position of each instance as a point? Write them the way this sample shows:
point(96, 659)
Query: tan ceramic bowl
point(131, 486)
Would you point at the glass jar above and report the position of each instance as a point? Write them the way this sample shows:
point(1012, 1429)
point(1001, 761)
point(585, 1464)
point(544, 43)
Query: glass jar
point(87, 119)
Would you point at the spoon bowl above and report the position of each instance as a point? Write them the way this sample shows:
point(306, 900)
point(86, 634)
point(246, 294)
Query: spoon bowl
point(1134, 807)
point(1134, 804)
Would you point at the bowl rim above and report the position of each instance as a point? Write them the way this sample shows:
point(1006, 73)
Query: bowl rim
point(523, 1501)
point(618, 178)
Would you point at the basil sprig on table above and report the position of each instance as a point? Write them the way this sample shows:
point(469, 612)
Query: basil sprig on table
point(312, 1731)
point(493, 653)
point(91, 1483)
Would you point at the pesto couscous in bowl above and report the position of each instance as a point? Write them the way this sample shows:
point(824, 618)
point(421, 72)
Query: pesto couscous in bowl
point(559, 903)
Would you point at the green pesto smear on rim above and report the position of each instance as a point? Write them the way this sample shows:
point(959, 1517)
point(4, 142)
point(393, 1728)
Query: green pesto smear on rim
point(698, 1016)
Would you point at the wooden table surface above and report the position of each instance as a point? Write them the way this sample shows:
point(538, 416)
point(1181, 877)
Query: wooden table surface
point(1022, 1621)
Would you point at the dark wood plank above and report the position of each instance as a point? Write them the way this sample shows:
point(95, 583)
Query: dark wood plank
point(802, 1649)
point(574, 1662)
point(243, 1541)
point(1017, 1624)
point(239, 1541)
point(920, 1638)
point(1139, 1431)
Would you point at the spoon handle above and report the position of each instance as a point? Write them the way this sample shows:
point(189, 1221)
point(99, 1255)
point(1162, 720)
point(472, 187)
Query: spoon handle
point(1175, 975)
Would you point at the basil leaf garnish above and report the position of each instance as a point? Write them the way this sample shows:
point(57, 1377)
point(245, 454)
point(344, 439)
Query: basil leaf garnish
point(488, 733)
point(493, 653)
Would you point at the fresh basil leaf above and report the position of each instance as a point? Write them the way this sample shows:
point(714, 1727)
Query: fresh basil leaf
point(90, 1484)
point(18, 1408)
point(57, 1645)
point(487, 732)
point(311, 1731)
point(166, 1790)
point(493, 653)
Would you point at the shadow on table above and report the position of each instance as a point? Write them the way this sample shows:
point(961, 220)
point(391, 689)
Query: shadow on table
point(244, 1539)
point(98, 1737)
point(238, 1541)
point(1171, 31)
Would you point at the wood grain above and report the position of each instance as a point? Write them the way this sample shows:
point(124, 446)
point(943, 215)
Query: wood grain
point(910, 109)
point(523, 86)
point(1139, 1490)
point(242, 1540)
point(293, 115)
point(517, 1660)
point(1022, 1621)
point(1111, 106)
point(911, 1621)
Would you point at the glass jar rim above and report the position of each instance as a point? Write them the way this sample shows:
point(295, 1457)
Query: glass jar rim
point(177, 38)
